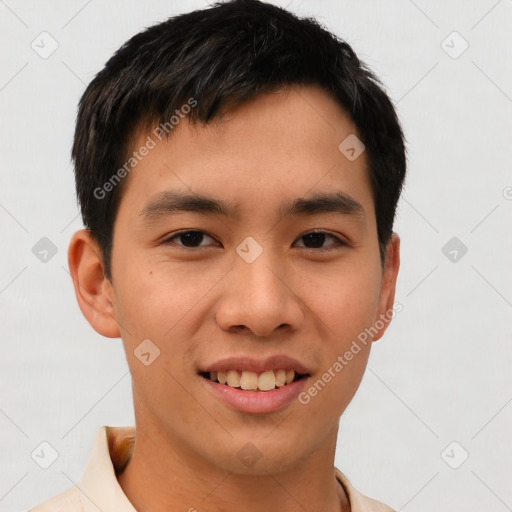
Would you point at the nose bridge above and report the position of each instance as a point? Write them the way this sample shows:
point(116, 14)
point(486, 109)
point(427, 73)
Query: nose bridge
point(258, 296)
point(254, 263)
point(260, 280)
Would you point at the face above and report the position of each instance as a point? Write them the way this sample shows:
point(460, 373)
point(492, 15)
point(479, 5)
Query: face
point(247, 250)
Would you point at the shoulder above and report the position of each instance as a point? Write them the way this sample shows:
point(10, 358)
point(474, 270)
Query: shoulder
point(67, 501)
point(98, 488)
point(358, 501)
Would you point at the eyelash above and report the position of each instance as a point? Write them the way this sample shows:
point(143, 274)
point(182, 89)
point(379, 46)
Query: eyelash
point(339, 241)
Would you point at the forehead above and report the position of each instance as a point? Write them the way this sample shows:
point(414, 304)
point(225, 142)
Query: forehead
point(293, 118)
point(284, 144)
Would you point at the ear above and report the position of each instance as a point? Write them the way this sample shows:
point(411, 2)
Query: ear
point(387, 292)
point(93, 290)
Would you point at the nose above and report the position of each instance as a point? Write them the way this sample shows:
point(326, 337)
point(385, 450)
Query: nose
point(259, 298)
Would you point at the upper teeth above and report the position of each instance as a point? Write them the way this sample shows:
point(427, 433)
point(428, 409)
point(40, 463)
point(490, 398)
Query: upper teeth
point(264, 381)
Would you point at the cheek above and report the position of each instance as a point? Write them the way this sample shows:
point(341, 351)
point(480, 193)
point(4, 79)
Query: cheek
point(347, 306)
point(154, 300)
point(345, 350)
point(345, 301)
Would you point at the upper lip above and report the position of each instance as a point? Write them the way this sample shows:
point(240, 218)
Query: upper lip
point(251, 364)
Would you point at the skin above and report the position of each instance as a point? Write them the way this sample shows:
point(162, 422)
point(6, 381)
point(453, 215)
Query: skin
point(199, 305)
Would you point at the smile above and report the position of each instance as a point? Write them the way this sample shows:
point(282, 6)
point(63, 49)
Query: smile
point(253, 381)
point(250, 385)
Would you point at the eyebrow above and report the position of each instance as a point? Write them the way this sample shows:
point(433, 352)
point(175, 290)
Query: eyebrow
point(168, 202)
point(337, 202)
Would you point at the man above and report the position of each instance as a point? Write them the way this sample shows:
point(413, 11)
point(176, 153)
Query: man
point(238, 170)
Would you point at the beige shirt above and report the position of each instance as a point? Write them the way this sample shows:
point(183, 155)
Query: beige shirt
point(98, 488)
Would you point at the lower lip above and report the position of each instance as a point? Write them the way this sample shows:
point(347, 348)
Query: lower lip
point(256, 402)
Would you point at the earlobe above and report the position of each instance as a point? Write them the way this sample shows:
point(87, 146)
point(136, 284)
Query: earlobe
point(387, 293)
point(92, 289)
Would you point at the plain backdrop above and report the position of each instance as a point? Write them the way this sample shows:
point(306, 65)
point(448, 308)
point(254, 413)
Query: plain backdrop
point(429, 428)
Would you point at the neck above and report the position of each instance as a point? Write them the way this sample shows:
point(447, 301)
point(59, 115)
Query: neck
point(162, 475)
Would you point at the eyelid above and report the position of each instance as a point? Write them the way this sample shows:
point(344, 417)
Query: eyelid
point(167, 239)
point(341, 241)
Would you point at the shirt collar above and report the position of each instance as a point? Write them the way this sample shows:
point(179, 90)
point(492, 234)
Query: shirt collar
point(99, 485)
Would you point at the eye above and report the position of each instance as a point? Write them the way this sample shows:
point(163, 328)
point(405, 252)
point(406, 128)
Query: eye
point(189, 239)
point(316, 240)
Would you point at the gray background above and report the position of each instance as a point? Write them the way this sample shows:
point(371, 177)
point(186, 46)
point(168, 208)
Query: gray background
point(442, 372)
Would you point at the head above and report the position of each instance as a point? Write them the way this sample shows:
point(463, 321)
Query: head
point(225, 221)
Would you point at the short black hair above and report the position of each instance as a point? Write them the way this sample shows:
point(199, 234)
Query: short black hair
point(223, 55)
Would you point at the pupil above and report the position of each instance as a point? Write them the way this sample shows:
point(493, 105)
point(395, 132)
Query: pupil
point(191, 238)
point(314, 239)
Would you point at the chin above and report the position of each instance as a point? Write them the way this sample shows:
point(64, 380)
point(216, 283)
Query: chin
point(262, 457)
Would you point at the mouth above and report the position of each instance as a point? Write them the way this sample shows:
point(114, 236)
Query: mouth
point(264, 381)
point(255, 386)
